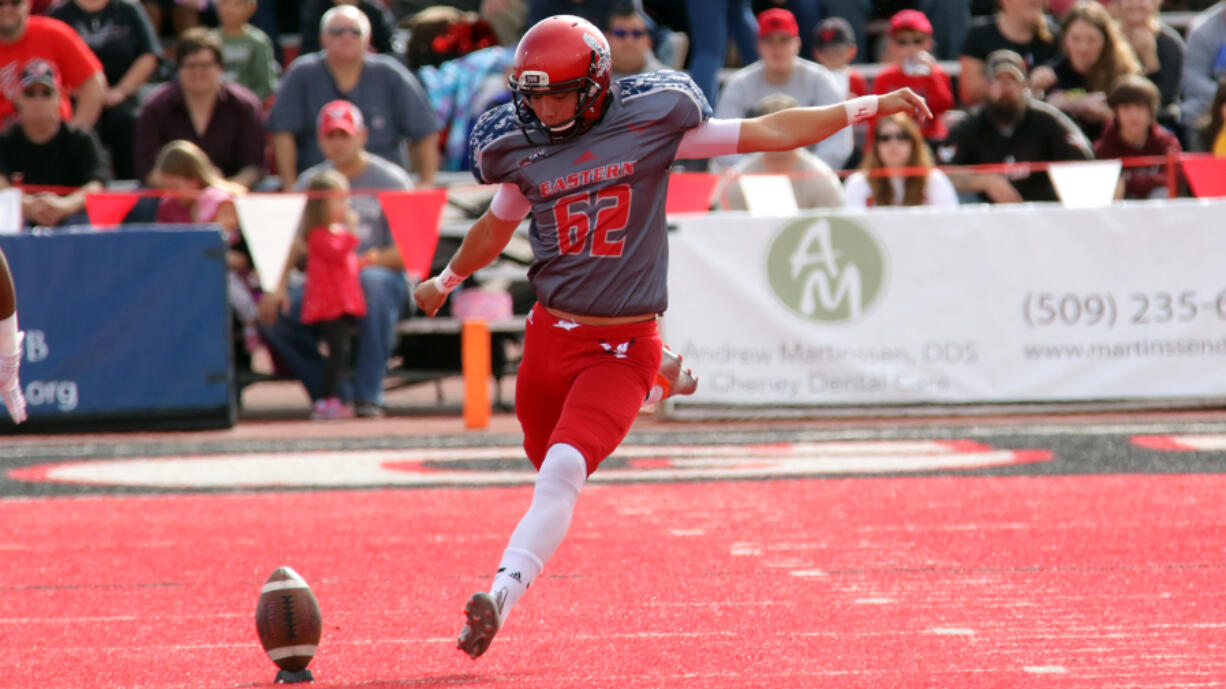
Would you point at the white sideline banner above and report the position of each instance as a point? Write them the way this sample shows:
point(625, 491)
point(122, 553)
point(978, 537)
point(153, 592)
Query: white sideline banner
point(1028, 303)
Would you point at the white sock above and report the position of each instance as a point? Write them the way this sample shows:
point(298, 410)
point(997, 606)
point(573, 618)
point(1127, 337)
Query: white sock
point(8, 335)
point(543, 526)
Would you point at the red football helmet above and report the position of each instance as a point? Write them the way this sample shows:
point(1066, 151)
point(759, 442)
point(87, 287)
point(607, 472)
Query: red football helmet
point(558, 55)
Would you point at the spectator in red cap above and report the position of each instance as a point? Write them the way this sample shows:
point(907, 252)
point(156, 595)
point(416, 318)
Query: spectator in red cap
point(342, 136)
point(782, 70)
point(950, 19)
point(42, 150)
point(911, 65)
point(24, 38)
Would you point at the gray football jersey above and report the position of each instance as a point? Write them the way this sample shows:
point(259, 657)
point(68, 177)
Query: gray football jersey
point(598, 227)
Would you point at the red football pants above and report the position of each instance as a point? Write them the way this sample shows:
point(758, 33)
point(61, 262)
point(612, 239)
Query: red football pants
point(583, 384)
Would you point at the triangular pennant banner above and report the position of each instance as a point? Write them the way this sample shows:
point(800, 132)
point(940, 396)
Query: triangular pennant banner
point(1206, 175)
point(414, 218)
point(269, 223)
point(769, 195)
point(690, 192)
point(1088, 184)
point(108, 210)
point(10, 211)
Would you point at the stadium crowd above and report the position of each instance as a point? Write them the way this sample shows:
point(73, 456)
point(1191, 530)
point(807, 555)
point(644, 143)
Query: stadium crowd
point(99, 92)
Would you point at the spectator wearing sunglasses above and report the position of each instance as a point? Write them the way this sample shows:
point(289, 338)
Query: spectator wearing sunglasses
point(24, 38)
point(898, 170)
point(397, 112)
point(913, 66)
point(382, 25)
point(630, 43)
point(42, 150)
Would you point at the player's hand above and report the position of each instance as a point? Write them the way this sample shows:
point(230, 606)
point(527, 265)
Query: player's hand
point(428, 297)
point(904, 100)
point(10, 383)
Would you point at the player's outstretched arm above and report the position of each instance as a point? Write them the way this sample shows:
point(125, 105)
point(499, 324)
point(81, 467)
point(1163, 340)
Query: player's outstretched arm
point(795, 127)
point(483, 243)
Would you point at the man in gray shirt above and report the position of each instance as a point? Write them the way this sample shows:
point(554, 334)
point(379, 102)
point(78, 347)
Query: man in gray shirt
point(402, 125)
point(782, 70)
point(1204, 64)
point(342, 138)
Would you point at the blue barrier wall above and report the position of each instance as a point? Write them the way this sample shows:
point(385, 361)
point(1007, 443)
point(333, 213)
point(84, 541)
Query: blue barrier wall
point(130, 326)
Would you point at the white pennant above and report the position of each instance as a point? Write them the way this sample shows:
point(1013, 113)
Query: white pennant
point(10, 211)
point(769, 195)
point(270, 223)
point(1089, 184)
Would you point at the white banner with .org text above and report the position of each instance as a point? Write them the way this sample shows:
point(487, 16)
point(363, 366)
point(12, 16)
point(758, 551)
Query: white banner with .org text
point(1034, 303)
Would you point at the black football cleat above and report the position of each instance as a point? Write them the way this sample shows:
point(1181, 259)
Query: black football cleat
point(482, 615)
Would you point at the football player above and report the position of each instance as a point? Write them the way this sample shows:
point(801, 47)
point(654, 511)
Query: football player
point(10, 346)
point(590, 161)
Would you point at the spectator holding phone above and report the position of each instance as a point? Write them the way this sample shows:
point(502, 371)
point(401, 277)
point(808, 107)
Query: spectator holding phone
point(913, 66)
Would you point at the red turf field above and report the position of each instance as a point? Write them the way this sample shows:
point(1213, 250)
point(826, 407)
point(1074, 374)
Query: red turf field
point(1071, 581)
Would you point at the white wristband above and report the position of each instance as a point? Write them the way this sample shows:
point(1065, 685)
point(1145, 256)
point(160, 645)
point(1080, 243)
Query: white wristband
point(860, 109)
point(448, 280)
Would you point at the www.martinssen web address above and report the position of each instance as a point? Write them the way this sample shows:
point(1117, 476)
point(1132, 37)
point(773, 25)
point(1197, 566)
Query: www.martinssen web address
point(1107, 309)
point(1137, 349)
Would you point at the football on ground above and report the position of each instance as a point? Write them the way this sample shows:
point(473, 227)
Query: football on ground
point(287, 619)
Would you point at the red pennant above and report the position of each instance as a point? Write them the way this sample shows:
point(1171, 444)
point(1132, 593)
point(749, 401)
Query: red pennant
point(1206, 175)
point(690, 192)
point(414, 218)
point(108, 210)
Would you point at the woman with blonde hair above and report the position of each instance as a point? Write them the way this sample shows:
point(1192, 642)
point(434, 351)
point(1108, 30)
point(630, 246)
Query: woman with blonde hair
point(897, 170)
point(198, 194)
point(1093, 55)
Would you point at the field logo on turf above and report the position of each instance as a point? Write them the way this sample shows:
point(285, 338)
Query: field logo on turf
point(827, 270)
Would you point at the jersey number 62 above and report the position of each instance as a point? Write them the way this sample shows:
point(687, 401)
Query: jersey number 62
point(573, 216)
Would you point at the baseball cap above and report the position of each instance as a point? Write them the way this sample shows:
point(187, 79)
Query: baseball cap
point(39, 71)
point(342, 115)
point(1006, 62)
point(777, 20)
point(835, 31)
point(910, 20)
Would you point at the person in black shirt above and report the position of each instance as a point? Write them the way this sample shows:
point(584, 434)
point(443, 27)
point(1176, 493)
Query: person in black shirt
point(1021, 26)
point(120, 34)
point(1011, 127)
point(41, 150)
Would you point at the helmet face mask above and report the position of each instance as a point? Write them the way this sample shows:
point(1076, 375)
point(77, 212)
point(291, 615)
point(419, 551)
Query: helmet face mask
point(561, 54)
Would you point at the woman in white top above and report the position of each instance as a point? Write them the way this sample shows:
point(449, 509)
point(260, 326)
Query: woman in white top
point(896, 144)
